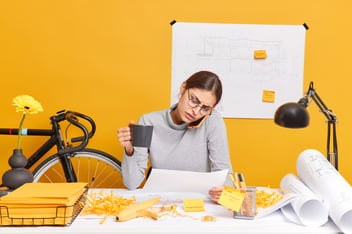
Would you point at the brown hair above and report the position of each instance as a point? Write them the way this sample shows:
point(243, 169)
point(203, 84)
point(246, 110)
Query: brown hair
point(206, 80)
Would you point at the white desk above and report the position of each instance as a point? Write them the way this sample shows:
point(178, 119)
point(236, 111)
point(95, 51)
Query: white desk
point(274, 223)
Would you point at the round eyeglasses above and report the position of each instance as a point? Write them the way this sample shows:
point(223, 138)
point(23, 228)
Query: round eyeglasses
point(194, 102)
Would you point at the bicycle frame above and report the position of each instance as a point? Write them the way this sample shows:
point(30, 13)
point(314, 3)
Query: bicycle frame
point(56, 139)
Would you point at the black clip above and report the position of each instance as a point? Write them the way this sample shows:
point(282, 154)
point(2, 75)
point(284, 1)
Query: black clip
point(306, 26)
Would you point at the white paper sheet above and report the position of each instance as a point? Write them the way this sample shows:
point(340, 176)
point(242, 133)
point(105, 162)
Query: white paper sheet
point(161, 180)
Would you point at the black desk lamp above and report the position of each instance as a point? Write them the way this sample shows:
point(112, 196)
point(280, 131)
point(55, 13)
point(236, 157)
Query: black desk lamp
point(295, 115)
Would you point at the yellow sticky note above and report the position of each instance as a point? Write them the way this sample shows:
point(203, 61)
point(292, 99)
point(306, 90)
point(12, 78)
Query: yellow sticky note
point(268, 96)
point(231, 198)
point(191, 205)
point(260, 54)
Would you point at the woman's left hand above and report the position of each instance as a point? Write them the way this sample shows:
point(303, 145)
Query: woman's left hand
point(215, 193)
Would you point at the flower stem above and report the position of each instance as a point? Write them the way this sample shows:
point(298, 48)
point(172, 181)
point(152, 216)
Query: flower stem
point(20, 131)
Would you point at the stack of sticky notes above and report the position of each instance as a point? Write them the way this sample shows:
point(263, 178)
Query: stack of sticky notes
point(41, 204)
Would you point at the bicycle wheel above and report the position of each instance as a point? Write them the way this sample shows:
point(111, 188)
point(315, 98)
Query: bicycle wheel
point(97, 168)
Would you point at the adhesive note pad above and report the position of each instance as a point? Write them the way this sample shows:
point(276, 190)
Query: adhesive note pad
point(268, 96)
point(260, 54)
point(191, 205)
point(231, 198)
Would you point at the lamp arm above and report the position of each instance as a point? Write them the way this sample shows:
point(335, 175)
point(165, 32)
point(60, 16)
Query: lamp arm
point(331, 117)
point(332, 154)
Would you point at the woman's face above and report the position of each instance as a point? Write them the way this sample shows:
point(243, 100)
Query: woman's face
point(194, 104)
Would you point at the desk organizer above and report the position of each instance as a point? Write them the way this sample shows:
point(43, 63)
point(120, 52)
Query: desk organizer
point(52, 216)
point(248, 207)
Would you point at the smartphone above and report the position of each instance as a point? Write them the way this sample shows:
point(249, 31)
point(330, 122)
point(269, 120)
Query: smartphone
point(198, 123)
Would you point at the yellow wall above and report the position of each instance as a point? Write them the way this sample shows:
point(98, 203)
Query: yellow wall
point(112, 60)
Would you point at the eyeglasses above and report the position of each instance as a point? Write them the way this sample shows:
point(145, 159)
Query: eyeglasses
point(194, 102)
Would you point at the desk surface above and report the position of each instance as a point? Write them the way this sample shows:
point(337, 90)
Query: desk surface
point(225, 223)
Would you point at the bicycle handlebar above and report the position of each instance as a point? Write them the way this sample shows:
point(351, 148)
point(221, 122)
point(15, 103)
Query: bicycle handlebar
point(71, 117)
point(91, 122)
point(62, 115)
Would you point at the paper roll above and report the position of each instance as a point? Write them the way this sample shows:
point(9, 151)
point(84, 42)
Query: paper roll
point(307, 209)
point(325, 181)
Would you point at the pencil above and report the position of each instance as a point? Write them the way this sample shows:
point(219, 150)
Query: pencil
point(234, 180)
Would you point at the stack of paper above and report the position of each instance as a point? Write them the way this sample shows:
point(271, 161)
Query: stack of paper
point(163, 180)
point(41, 204)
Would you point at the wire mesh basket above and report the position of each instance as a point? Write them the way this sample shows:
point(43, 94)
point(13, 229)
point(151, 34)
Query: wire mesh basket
point(51, 216)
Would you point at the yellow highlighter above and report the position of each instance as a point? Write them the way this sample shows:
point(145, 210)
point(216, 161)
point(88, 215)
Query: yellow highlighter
point(242, 182)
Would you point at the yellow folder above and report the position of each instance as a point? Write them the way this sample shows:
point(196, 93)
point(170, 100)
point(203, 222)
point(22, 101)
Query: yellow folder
point(52, 203)
point(45, 193)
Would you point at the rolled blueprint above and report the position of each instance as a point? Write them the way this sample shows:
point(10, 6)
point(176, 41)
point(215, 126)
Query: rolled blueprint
point(327, 183)
point(307, 209)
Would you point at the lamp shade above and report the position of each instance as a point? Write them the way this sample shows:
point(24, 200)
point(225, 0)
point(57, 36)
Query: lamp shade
point(292, 115)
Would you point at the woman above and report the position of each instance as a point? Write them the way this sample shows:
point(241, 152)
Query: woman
point(190, 135)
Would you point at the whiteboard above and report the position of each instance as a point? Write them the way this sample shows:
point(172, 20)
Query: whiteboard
point(228, 50)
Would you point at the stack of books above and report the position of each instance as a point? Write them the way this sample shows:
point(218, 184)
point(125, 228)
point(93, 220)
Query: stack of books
point(42, 204)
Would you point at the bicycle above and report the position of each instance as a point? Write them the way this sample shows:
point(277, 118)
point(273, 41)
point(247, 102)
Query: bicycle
point(71, 163)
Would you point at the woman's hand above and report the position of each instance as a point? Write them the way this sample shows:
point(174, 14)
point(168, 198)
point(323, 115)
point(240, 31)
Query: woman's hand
point(215, 193)
point(125, 138)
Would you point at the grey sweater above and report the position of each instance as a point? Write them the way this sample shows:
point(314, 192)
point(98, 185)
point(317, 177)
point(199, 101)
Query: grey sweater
point(177, 147)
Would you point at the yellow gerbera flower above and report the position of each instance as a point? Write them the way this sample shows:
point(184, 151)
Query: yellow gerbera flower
point(27, 104)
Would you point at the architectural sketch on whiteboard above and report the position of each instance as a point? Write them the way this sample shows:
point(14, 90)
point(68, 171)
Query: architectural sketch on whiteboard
point(261, 66)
